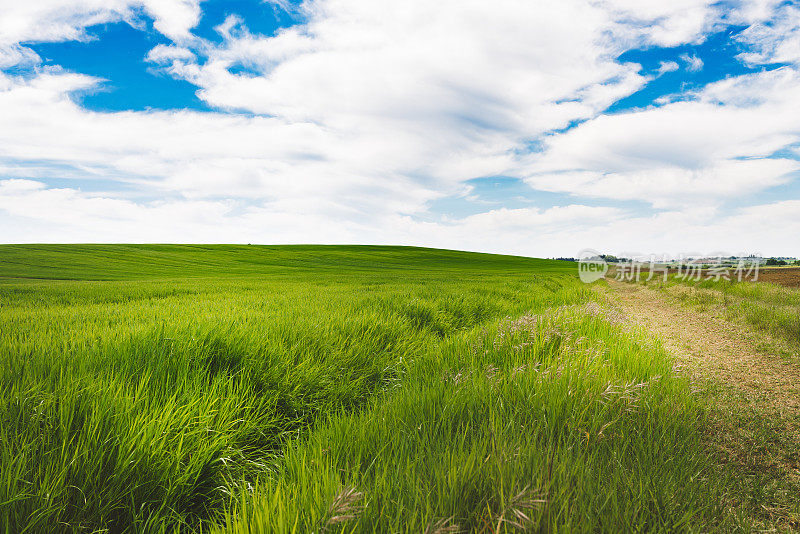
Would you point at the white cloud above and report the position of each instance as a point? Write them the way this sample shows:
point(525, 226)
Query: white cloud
point(15, 55)
point(382, 64)
point(673, 186)
point(668, 66)
point(693, 63)
point(61, 20)
point(285, 5)
point(669, 23)
point(368, 99)
point(174, 18)
point(68, 20)
point(360, 117)
point(716, 146)
point(775, 38)
point(565, 230)
point(167, 54)
point(198, 155)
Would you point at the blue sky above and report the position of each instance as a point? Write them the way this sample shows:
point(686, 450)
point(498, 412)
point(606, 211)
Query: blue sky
point(536, 128)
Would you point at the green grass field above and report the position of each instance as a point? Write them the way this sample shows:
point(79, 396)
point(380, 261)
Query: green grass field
point(335, 389)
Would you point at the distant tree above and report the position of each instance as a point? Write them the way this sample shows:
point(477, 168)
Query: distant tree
point(775, 261)
point(610, 258)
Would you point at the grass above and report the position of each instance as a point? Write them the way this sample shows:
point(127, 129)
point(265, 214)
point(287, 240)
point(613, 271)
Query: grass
point(334, 389)
point(159, 262)
point(550, 423)
point(759, 444)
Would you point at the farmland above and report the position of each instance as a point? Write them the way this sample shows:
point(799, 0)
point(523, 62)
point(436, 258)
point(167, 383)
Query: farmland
point(248, 389)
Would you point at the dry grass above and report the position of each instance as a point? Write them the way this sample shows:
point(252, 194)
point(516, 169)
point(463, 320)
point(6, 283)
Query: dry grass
point(517, 512)
point(347, 506)
point(443, 526)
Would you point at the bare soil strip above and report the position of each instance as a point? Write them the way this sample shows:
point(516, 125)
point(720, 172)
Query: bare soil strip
point(785, 276)
point(756, 427)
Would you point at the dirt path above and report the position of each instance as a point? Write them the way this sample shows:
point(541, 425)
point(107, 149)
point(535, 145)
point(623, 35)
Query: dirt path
point(756, 416)
point(713, 347)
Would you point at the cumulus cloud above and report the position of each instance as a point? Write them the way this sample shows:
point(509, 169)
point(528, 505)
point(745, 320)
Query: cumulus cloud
point(344, 128)
point(721, 144)
point(409, 99)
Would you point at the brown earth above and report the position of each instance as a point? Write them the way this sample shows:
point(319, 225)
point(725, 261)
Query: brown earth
point(785, 276)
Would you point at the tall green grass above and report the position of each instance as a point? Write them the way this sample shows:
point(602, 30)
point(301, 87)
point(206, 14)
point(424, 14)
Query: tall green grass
point(556, 423)
point(299, 389)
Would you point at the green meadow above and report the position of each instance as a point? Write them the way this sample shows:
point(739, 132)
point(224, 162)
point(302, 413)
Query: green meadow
point(250, 389)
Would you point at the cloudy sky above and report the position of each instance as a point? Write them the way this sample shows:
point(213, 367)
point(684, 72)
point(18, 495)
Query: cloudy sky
point(535, 127)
